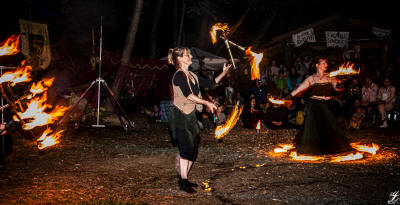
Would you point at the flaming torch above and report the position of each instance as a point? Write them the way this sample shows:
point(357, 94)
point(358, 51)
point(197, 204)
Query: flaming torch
point(279, 102)
point(258, 127)
point(10, 46)
point(344, 70)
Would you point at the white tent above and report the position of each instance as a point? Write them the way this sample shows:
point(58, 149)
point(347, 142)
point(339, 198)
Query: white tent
point(210, 61)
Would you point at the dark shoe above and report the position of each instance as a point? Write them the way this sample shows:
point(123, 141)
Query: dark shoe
point(190, 184)
point(183, 185)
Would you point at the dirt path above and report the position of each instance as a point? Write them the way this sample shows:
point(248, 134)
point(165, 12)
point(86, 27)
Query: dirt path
point(108, 166)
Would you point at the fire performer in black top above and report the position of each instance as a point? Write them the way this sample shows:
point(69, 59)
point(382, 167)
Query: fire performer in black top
point(182, 121)
point(321, 132)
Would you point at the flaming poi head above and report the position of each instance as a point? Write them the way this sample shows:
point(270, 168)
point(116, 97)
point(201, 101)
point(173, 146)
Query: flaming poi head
point(47, 139)
point(255, 60)
point(279, 102)
point(222, 130)
point(218, 27)
point(344, 70)
point(10, 46)
point(22, 74)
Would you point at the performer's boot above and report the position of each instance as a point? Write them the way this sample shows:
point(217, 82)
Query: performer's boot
point(191, 184)
point(184, 186)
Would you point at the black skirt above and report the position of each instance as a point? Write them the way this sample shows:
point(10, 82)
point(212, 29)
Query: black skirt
point(185, 131)
point(321, 132)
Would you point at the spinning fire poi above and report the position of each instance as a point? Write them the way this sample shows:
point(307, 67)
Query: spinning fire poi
point(37, 112)
point(255, 60)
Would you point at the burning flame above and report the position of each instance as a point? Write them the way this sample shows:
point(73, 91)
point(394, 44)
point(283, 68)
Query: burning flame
point(283, 148)
point(344, 70)
point(279, 102)
point(222, 130)
point(258, 127)
point(364, 148)
point(37, 115)
point(47, 140)
point(305, 158)
point(40, 87)
point(22, 74)
point(255, 60)
point(10, 46)
point(349, 157)
point(218, 26)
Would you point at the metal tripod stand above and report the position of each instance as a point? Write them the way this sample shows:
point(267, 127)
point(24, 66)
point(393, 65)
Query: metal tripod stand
point(114, 102)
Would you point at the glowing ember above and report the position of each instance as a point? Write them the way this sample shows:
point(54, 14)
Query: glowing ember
point(222, 130)
point(283, 148)
point(260, 165)
point(258, 127)
point(305, 158)
point(37, 115)
point(47, 140)
point(206, 186)
point(349, 157)
point(10, 46)
point(255, 60)
point(344, 70)
point(279, 102)
point(22, 74)
point(218, 26)
point(364, 148)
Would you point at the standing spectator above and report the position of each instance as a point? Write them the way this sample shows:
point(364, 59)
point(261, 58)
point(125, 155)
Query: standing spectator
point(293, 79)
point(274, 70)
point(245, 84)
point(300, 67)
point(220, 116)
point(259, 91)
point(386, 99)
point(281, 83)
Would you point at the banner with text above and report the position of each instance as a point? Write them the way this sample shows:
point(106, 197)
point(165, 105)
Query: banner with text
point(304, 36)
point(337, 39)
point(381, 33)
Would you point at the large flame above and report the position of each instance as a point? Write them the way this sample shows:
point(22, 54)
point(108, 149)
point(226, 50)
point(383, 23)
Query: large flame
point(218, 26)
point(349, 157)
point(344, 70)
point(40, 87)
point(283, 148)
point(47, 140)
point(279, 102)
point(36, 113)
point(222, 130)
point(364, 148)
point(22, 74)
point(255, 60)
point(10, 46)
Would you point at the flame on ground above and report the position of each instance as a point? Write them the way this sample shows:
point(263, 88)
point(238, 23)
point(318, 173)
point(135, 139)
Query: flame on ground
point(255, 60)
point(283, 148)
point(10, 46)
point(305, 157)
point(364, 148)
point(344, 70)
point(218, 26)
point(258, 125)
point(349, 157)
point(222, 130)
point(47, 140)
point(22, 74)
point(279, 102)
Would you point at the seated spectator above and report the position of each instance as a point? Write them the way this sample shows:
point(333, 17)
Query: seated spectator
point(386, 99)
point(357, 118)
point(368, 95)
point(280, 83)
point(259, 91)
point(276, 117)
point(206, 119)
point(251, 114)
point(220, 117)
point(293, 79)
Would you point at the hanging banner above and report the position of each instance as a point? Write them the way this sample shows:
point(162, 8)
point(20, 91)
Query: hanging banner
point(381, 33)
point(337, 39)
point(304, 36)
point(35, 44)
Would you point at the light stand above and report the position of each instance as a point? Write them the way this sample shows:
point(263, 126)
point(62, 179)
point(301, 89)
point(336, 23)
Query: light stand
point(114, 102)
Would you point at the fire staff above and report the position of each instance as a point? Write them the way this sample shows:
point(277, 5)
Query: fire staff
point(321, 133)
point(183, 125)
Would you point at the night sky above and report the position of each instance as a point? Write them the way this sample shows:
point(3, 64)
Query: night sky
point(70, 21)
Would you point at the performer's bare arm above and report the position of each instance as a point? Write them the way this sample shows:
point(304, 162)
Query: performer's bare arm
point(225, 70)
point(198, 100)
point(308, 82)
